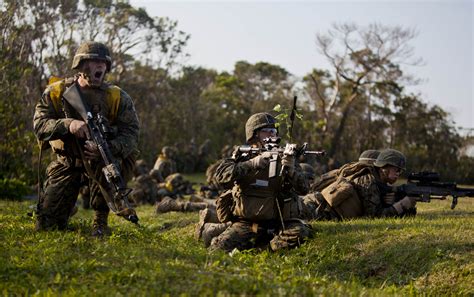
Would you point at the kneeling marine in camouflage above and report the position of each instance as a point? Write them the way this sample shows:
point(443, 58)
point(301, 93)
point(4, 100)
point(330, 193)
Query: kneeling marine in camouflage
point(261, 211)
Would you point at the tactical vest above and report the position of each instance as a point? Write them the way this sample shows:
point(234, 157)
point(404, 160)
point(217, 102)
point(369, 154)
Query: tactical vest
point(57, 88)
point(340, 193)
point(255, 196)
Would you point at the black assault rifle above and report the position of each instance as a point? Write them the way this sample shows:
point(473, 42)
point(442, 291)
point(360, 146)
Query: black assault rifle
point(271, 144)
point(426, 185)
point(119, 203)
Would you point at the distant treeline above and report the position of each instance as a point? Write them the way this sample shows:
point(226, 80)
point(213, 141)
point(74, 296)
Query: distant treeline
point(357, 104)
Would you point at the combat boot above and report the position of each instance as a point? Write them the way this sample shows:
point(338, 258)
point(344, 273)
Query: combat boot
point(212, 230)
point(168, 204)
point(195, 198)
point(194, 206)
point(100, 227)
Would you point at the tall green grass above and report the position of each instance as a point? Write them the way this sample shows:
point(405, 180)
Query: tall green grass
point(431, 254)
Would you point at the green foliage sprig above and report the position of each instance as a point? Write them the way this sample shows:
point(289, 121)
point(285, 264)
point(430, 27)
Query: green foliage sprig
point(283, 118)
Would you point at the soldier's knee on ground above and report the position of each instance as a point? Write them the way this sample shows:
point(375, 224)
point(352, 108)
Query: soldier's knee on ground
point(238, 235)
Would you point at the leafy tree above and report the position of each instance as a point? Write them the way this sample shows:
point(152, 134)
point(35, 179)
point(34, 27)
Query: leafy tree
point(365, 72)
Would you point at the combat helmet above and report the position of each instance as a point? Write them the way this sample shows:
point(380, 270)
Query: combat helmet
point(391, 157)
point(258, 121)
point(92, 50)
point(369, 156)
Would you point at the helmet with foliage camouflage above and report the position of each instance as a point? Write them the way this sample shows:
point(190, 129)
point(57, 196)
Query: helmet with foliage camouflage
point(369, 156)
point(258, 121)
point(92, 50)
point(391, 157)
point(308, 170)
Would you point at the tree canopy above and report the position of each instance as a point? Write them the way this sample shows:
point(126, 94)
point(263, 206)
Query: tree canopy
point(358, 103)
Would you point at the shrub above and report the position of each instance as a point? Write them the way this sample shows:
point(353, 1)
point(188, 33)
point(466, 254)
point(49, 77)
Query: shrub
point(13, 189)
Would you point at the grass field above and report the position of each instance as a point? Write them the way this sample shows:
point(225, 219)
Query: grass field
point(432, 254)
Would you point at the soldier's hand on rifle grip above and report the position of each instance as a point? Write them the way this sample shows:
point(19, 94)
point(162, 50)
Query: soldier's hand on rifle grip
point(79, 129)
point(261, 161)
point(288, 163)
point(405, 204)
point(91, 151)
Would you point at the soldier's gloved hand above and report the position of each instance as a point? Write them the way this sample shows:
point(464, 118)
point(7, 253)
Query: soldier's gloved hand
point(79, 129)
point(261, 161)
point(288, 163)
point(389, 198)
point(405, 204)
point(91, 151)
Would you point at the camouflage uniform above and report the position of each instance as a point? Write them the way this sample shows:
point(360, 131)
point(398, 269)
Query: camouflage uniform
point(51, 124)
point(172, 191)
point(260, 203)
point(164, 165)
point(212, 190)
point(145, 188)
point(369, 190)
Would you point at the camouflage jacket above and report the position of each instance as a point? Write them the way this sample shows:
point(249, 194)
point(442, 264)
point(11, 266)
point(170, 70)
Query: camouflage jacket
point(371, 197)
point(230, 171)
point(52, 124)
point(165, 166)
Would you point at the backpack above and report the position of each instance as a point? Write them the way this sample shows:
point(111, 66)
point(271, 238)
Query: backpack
point(338, 190)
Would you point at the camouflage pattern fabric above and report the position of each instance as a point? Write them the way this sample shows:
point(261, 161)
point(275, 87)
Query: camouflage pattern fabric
point(371, 196)
point(368, 191)
point(145, 190)
point(314, 207)
point(62, 183)
point(163, 168)
point(244, 233)
point(174, 186)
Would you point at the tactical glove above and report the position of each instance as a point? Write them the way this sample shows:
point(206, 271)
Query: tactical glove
point(405, 204)
point(288, 163)
point(91, 151)
point(79, 129)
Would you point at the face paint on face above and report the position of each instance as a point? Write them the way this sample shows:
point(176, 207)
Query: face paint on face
point(93, 73)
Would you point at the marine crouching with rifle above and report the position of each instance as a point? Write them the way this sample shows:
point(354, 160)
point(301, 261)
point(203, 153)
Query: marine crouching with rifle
point(92, 127)
point(263, 187)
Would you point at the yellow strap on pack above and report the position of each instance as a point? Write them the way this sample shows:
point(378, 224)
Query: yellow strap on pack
point(169, 186)
point(56, 86)
point(113, 102)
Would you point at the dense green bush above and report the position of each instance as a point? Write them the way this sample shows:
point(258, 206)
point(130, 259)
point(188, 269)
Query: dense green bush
point(13, 189)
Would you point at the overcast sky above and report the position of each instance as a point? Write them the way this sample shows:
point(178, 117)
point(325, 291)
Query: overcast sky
point(283, 33)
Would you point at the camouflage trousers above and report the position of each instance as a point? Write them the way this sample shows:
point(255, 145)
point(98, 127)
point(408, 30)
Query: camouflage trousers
point(244, 235)
point(315, 207)
point(61, 188)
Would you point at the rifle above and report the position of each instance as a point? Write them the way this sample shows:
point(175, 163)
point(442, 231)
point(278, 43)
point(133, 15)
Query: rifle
point(426, 185)
point(271, 144)
point(119, 203)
